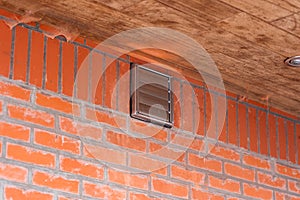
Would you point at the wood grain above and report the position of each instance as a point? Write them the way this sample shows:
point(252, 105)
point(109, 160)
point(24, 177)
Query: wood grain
point(247, 39)
point(262, 9)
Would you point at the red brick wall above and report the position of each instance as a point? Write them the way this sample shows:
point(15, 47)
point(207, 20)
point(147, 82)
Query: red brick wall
point(53, 146)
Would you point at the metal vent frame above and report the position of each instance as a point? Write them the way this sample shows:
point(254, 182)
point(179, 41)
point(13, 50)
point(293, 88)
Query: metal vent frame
point(135, 111)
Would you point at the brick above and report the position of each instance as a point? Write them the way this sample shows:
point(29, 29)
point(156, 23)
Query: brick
point(239, 172)
point(34, 116)
point(13, 173)
point(170, 188)
point(52, 61)
point(257, 192)
point(14, 131)
point(225, 153)
point(83, 130)
point(56, 141)
point(124, 92)
point(288, 171)
point(132, 180)
point(211, 120)
point(30, 155)
point(20, 53)
point(204, 163)
point(147, 130)
point(294, 186)
point(187, 107)
point(200, 194)
point(83, 70)
point(176, 103)
point(253, 129)
point(222, 119)
point(262, 123)
point(126, 141)
point(102, 191)
point(36, 59)
point(97, 78)
point(80, 167)
point(104, 154)
point(5, 48)
point(66, 198)
point(272, 134)
point(283, 113)
point(256, 162)
point(165, 151)
point(79, 40)
point(270, 180)
point(282, 196)
point(110, 83)
point(242, 126)
point(14, 193)
point(105, 117)
point(68, 68)
point(233, 198)
point(187, 175)
point(298, 141)
point(55, 182)
point(161, 171)
point(232, 122)
point(224, 184)
point(136, 196)
point(199, 97)
point(58, 104)
point(291, 142)
point(1, 107)
point(282, 139)
point(14, 91)
point(186, 141)
point(145, 163)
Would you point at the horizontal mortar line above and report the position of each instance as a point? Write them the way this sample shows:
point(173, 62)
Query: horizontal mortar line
point(163, 195)
point(42, 189)
point(28, 124)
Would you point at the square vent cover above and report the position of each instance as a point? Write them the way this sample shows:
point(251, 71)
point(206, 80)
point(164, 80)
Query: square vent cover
point(151, 97)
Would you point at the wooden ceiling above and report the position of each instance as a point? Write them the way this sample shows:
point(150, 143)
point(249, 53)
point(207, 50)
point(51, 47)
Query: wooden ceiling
point(248, 39)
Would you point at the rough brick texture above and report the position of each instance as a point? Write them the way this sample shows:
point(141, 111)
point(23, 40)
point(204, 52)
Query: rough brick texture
point(62, 141)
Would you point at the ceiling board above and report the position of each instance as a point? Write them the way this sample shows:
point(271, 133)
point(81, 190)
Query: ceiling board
point(291, 5)
point(262, 9)
point(248, 39)
point(290, 24)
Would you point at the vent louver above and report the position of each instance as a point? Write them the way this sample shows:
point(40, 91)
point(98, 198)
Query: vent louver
point(151, 97)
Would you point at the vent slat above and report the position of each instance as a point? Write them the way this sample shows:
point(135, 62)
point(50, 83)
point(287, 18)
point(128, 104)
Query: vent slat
point(153, 112)
point(150, 100)
point(155, 92)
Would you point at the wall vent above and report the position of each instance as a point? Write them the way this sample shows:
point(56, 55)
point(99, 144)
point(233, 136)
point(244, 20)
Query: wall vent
point(151, 96)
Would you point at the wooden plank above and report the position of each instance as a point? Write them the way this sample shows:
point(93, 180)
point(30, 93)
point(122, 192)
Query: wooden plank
point(260, 8)
point(209, 10)
point(290, 24)
point(262, 34)
point(291, 5)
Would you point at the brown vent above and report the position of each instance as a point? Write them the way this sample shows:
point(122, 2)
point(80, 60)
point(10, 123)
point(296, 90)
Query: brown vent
point(151, 97)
